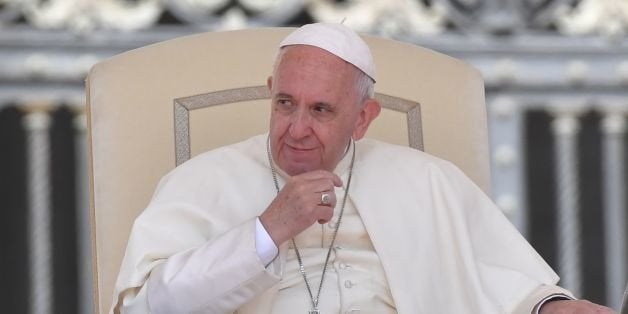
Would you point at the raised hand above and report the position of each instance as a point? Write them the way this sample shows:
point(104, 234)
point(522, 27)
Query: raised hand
point(300, 204)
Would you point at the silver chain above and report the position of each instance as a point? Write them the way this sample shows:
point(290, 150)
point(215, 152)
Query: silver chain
point(333, 239)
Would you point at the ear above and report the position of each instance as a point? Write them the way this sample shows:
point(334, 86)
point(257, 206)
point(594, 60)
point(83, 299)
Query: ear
point(269, 83)
point(370, 110)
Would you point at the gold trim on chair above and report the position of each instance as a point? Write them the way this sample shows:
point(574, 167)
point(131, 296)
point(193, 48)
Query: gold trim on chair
point(413, 117)
point(183, 106)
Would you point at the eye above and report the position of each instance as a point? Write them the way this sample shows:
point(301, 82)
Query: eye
point(322, 109)
point(284, 104)
point(323, 112)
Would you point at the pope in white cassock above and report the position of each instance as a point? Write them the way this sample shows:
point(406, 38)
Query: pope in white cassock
point(311, 218)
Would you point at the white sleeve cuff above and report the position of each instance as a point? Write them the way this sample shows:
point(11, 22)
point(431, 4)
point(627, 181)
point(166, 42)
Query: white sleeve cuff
point(552, 297)
point(264, 244)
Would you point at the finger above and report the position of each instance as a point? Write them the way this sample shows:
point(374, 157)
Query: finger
point(311, 185)
point(321, 174)
point(327, 198)
point(311, 199)
point(321, 185)
point(324, 214)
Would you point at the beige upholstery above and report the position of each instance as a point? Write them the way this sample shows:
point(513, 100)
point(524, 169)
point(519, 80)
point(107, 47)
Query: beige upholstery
point(132, 98)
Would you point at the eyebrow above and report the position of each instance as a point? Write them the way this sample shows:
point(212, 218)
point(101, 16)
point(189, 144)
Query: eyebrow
point(317, 103)
point(283, 95)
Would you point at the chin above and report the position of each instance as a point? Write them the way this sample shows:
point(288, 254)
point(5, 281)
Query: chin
point(294, 169)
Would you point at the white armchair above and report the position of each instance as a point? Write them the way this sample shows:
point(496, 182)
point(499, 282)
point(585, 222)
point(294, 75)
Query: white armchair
point(154, 107)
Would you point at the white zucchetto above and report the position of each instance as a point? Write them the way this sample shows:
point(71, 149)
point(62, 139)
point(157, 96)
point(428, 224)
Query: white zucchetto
point(336, 39)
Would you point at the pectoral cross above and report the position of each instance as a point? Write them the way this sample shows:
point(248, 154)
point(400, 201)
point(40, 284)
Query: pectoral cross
point(314, 311)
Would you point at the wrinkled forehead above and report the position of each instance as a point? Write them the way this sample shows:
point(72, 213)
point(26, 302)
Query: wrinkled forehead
point(310, 72)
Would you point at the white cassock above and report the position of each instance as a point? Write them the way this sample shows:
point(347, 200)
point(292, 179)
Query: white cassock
point(418, 237)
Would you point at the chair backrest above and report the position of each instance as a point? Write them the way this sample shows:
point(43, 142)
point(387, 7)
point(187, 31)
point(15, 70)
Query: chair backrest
point(153, 107)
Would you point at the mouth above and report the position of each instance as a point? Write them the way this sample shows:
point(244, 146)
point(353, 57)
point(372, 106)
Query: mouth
point(299, 149)
point(296, 159)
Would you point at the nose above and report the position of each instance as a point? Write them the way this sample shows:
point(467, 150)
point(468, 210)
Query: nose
point(300, 124)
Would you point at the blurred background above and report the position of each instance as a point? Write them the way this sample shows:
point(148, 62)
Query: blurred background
point(556, 74)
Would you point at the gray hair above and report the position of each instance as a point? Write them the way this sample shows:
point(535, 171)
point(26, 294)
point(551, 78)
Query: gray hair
point(364, 86)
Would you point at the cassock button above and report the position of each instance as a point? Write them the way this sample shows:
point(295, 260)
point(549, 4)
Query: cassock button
point(349, 284)
point(332, 224)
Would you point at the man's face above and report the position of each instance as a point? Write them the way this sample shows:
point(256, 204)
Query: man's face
point(315, 109)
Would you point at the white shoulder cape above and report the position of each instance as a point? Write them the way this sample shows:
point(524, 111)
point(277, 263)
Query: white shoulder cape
point(445, 247)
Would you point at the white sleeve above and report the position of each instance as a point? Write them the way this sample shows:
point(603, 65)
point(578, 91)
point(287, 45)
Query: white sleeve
point(552, 297)
point(218, 277)
point(264, 244)
point(531, 304)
